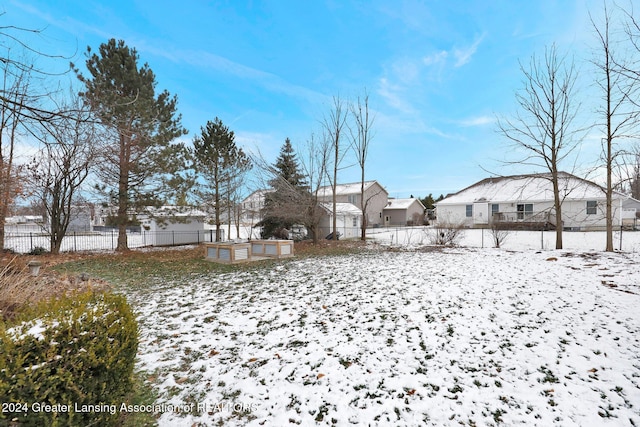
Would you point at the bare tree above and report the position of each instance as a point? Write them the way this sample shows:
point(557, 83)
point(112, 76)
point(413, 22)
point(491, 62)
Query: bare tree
point(13, 120)
point(616, 111)
point(499, 233)
point(361, 139)
point(634, 179)
point(315, 168)
point(334, 123)
point(543, 127)
point(62, 166)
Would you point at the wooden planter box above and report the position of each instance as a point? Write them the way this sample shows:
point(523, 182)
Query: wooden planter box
point(272, 248)
point(227, 253)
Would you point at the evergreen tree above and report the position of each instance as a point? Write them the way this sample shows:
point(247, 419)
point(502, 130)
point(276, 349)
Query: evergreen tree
point(428, 201)
point(288, 168)
point(138, 155)
point(218, 160)
point(285, 205)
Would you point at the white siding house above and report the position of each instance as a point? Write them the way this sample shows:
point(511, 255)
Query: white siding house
point(375, 198)
point(252, 206)
point(168, 226)
point(348, 220)
point(527, 200)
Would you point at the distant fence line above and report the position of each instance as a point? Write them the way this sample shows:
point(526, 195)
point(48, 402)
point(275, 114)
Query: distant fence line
point(105, 240)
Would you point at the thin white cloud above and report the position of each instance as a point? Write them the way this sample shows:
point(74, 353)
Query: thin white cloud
point(436, 58)
point(203, 59)
point(393, 95)
point(478, 121)
point(463, 56)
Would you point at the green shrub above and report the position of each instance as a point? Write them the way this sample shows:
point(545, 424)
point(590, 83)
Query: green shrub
point(38, 250)
point(72, 353)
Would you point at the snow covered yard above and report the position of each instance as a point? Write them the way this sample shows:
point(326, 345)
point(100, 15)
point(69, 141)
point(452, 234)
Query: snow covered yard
point(452, 337)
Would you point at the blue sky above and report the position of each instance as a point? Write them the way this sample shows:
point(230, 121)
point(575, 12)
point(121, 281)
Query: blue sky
point(438, 72)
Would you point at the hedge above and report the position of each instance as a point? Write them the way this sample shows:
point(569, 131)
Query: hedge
point(68, 362)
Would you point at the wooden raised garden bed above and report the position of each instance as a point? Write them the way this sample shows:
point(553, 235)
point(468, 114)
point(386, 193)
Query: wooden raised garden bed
point(227, 252)
point(272, 248)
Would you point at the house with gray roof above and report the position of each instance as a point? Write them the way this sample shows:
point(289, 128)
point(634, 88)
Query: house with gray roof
point(526, 201)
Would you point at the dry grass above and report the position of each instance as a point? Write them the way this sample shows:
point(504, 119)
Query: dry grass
point(69, 272)
point(18, 288)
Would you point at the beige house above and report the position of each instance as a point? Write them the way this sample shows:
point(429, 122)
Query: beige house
point(375, 199)
point(401, 212)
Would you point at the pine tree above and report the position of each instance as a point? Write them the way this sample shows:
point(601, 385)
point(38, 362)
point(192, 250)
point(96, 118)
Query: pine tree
point(218, 160)
point(138, 155)
point(285, 205)
point(288, 167)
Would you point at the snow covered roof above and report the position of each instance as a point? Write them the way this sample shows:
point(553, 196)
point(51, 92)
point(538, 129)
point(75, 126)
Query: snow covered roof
point(533, 188)
point(175, 211)
point(342, 208)
point(258, 195)
point(402, 203)
point(346, 189)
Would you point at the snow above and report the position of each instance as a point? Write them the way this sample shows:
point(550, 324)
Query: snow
point(527, 188)
point(471, 336)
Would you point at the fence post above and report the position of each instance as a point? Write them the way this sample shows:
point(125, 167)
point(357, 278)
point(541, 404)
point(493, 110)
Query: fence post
point(620, 238)
point(75, 245)
point(112, 246)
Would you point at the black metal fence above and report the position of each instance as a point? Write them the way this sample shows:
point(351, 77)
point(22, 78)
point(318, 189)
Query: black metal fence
point(104, 240)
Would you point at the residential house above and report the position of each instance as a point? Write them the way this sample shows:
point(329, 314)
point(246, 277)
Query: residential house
point(172, 225)
point(348, 220)
point(526, 201)
point(375, 199)
point(401, 212)
point(252, 206)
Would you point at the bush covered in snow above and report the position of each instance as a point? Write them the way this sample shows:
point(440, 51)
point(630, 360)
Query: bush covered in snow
point(68, 362)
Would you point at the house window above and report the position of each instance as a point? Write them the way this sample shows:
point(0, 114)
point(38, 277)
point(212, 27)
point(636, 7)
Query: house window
point(469, 209)
point(355, 221)
point(592, 207)
point(353, 199)
point(525, 210)
point(495, 208)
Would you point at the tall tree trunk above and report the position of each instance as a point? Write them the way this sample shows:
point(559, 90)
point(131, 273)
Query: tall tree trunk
point(557, 204)
point(123, 192)
point(217, 211)
point(335, 185)
point(363, 208)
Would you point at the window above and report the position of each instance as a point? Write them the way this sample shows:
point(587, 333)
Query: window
point(355, 221)
point(525, 210)
point(469, 209)
point(353, 199)
point(592, 207)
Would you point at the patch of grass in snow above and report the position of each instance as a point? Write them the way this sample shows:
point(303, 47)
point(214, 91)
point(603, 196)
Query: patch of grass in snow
point(142, 393)
point(549, 376)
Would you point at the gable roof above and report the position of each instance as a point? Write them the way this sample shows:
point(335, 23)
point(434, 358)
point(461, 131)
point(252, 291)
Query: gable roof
point(342, 209)
point(402, 203)
point(347, 189)
point(531, 188)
